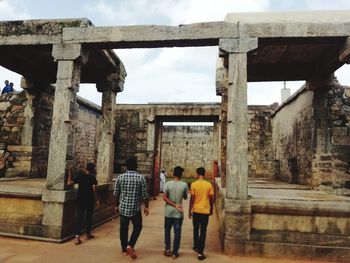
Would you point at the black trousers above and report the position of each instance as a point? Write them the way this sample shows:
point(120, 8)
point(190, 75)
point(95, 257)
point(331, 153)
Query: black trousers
point(200, 223)
point(88, 211)
point(136, 221)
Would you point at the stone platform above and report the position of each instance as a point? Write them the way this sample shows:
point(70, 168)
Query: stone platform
point(29, 210)
point(285, 219)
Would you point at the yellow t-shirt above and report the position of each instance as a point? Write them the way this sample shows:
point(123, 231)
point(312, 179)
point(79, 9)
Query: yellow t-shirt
point(201, 190)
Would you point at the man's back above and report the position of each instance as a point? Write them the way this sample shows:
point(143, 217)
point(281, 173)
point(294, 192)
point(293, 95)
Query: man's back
point(201, 190)
point(175, 191)
point(131, 189)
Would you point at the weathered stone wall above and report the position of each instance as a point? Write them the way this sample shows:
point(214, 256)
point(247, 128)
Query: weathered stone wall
point(14, 159)
point(311, 142)
point(131, 140)
point(20, 157)
point(332, 167)
point(260, 154)
point(43, 104)
point(86, 133)
point(190, 147)
point(293, 140)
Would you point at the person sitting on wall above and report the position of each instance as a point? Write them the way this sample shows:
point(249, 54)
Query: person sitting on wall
point(7, 88)
point(86, 199)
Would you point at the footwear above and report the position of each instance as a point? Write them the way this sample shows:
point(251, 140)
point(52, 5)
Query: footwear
point(201, 257)
point(167, 253)
point(89, 236)
point(77, 241)
point(131, 252)
point(175, 256)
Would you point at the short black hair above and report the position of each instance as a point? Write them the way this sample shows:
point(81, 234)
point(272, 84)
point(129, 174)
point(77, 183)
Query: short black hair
point(200, 171)
point(90, 167)
point(178, 170)
point(131, 164)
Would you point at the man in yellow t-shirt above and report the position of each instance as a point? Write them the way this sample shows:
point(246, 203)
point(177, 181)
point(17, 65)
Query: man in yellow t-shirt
point(201, 206)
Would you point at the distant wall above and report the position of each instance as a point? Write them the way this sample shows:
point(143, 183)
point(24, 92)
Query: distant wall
point(14, 159)
point(190, 147)
point(260, 154)
point(311, 142)
point(293, 141)
point(86, 137)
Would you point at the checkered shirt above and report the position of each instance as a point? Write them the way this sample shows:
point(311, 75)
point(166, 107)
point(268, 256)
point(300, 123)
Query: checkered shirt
point(131, 189)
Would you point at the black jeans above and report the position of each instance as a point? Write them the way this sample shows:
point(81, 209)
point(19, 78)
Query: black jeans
point(88, 210)
point(200, 223)
point(168, 224)
point(136, 221)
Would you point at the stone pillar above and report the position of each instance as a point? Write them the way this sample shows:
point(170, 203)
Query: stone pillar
point(151, 133)
point(105, 156)
point(237, 116)
point(221, 89)
point(58, 204)
point(69, 58)
point(28, 127)
point(237, 205)
point(216, 140)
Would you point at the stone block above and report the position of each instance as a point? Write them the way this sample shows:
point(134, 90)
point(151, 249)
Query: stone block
point(19, 148)
point(341, 140)
point(237, 226)
point(340, 131)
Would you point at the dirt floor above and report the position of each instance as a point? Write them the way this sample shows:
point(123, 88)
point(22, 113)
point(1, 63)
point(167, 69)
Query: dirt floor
point(106, 248)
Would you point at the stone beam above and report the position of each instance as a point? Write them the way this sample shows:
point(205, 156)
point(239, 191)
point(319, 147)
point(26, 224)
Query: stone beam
point(292, 24)
point(61, 157)
point(151, 36)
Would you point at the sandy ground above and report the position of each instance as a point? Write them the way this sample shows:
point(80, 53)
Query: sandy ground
point(106, 248)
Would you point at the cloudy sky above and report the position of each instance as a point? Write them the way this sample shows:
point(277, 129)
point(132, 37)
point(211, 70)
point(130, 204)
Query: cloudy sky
point(172, 74)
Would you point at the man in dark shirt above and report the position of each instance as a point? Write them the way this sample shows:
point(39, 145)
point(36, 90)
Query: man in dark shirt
point(85, 199)
point(130, 191)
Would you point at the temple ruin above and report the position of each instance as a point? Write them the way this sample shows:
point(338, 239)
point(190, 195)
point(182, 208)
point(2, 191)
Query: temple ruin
point(282, 175)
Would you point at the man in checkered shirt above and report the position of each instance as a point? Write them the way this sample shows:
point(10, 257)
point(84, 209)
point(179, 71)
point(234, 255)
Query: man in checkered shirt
point(130, 190)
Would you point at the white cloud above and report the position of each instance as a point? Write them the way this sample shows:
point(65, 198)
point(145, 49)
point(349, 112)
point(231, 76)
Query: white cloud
point(11, 11)
point(208, 10)
point(136, 11)
point(327, 5)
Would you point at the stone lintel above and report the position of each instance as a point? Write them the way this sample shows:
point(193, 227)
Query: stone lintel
point(151, 36)
point(344, 54)
point(238, 45)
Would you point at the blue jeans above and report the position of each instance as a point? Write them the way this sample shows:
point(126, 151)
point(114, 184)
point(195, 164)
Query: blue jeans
point(168, 224)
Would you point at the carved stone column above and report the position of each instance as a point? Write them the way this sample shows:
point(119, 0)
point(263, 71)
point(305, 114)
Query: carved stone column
point(237, 116)
point(70, 58)
point(105, 155)
point(237, 205)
